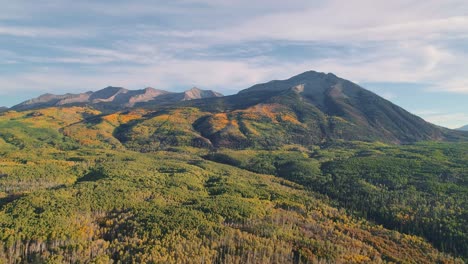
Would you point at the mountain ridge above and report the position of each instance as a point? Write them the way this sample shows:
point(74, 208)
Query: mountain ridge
point(463, 128)
point(331, 108)
point(118, 97)
point(309, 108)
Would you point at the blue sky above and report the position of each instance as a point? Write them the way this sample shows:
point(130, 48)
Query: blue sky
point(414, 53)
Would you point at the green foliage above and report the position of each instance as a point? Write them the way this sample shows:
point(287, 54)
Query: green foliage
point(418, 189)
point(75, 198)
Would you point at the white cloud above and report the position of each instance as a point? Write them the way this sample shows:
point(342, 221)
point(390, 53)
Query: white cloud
point(454, 85)
point(407, 41)
point(164, 74)
point(353, 21)
point(399, 41)
point(42, 32)
point(230, 45)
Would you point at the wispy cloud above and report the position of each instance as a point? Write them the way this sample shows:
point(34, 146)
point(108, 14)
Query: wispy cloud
point(165, 74)
point(44, 32)
point(229, 45)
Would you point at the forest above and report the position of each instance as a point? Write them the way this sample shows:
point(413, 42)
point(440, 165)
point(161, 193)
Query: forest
point(75, 189)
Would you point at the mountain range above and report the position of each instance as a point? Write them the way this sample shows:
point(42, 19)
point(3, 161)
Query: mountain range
point(307, 109)
point(463, 128)
point(311, 169)
point(117, 97)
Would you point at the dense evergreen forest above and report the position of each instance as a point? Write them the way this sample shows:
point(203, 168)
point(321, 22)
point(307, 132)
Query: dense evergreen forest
point(80, 186)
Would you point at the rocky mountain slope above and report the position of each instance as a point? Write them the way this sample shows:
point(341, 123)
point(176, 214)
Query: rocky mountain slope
point(309, 108)
point(116, 97)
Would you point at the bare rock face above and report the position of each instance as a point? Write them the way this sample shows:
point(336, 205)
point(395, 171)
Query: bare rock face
point(196, 93)
point(144, 95)
point(75, 98)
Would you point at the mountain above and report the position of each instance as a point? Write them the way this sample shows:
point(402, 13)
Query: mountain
point(463, 128)
point(307, 109)
point(310, 108)
point(171, 98)
point(116, 97)
point(3, 108)
point(303, 170)
point(196, 93)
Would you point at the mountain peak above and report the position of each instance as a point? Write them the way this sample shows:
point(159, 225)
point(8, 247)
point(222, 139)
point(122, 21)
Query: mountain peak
point(311, 81)
point(194, 89)
point(339, 109)
point(107, 94)
point(308, 73)
point(197, 93)
point(149, 89)
point(314, 78)
point(314, 74)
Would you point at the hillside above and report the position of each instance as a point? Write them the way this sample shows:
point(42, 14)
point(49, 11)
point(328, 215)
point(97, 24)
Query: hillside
point(463, 128)
point(305, 170)
point(307, 109)
point(72, 193)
